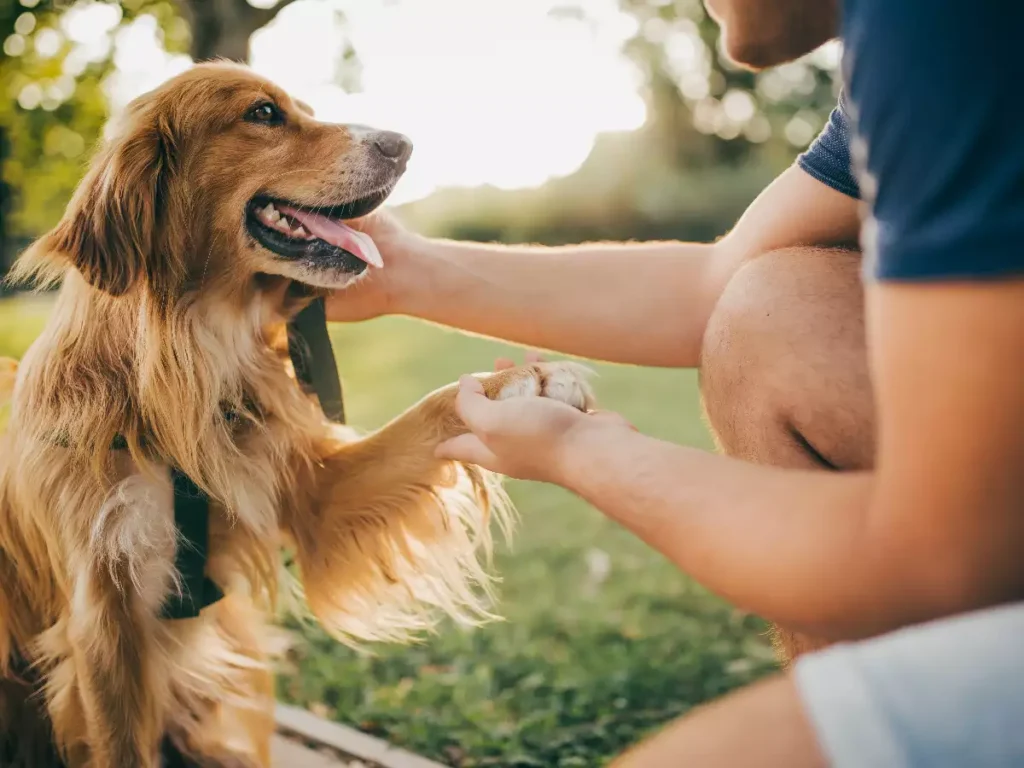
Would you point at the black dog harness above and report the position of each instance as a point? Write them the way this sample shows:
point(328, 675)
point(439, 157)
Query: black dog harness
point(309, 347)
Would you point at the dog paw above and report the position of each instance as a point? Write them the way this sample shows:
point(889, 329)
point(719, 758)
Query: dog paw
point(565, 381)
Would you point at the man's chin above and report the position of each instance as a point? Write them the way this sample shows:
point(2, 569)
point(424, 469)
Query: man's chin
point(795, 29)
point(763, 55)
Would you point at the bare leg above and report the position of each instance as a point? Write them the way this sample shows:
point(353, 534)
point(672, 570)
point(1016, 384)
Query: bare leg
point(770, 717)
point(784, 372)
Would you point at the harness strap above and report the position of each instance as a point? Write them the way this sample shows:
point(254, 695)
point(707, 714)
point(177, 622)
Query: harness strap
point(309, 346)
point(192, 521)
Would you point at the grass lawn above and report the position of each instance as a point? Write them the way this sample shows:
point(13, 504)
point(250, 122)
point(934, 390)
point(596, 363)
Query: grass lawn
point(602, 639)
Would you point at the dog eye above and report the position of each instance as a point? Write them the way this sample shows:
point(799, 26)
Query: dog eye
point(265, 112)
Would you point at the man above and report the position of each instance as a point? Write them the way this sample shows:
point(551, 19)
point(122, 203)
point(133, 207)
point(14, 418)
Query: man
point(928, 519)
point(780, 339)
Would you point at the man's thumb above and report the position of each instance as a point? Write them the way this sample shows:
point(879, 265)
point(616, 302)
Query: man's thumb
point(472, 404)
point(466, 448)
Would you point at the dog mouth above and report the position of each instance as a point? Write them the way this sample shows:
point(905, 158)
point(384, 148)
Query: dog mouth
point(316, 237)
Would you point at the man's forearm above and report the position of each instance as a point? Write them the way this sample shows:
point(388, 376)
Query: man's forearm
point(793, 546)
point(645, 304)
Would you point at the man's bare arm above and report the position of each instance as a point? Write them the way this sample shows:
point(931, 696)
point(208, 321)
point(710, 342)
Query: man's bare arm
point(641, 303)
point(937, 528)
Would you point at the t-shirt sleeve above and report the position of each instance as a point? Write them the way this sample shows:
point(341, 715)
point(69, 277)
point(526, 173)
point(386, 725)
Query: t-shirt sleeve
point(933, 86)
point(828, 157)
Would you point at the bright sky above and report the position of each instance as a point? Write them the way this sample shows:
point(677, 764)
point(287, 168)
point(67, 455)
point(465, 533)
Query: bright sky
point(498, 92)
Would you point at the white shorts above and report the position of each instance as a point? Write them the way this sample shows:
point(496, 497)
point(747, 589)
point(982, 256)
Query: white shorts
point(947, 694)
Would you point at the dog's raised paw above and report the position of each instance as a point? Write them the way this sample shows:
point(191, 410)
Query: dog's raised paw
point(565, 381)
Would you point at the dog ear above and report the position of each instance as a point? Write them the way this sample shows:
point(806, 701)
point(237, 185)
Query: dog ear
point(110, 230)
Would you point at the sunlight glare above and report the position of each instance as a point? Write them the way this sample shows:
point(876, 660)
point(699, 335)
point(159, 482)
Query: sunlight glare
point(502, 92)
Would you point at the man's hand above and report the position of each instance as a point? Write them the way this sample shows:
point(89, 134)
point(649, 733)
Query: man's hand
point(377, 292)
point(523, 437)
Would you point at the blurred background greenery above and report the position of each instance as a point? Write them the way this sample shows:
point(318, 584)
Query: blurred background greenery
point(602, 640)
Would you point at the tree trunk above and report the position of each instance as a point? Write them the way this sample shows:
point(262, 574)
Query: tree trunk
point(222, 28)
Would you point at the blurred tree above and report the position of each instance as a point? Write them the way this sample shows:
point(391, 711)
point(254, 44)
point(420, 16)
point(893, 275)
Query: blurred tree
point(54, 103)
point(715, 135)
point(222, 28)
point(693, 87)
point(48, 116)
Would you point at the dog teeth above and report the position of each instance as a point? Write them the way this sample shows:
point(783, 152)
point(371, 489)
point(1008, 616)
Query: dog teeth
point(269, 215)
point(274, 219)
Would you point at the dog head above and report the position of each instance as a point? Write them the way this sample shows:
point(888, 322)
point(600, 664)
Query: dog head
point(219, 177)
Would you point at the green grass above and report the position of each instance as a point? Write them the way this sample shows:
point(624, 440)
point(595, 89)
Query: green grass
point(602, 639)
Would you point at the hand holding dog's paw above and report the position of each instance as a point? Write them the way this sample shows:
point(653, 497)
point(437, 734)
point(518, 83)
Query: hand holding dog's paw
point(522, 420)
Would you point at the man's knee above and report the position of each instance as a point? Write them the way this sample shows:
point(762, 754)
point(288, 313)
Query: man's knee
point(783, 367)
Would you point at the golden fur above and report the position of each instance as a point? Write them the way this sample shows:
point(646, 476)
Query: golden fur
point(169, 315)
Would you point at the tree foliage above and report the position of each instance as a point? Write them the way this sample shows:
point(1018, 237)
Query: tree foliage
point(692, 88)
point(715, 135)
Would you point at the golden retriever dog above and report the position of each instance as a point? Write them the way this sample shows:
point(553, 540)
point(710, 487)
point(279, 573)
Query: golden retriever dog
point(206, 222)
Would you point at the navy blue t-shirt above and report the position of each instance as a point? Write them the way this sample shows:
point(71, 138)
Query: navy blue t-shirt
point(931, 91)
point(828, 157)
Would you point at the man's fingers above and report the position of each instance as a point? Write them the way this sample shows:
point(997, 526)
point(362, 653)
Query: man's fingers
point(472, 404)
point(504, 363)
point(371, 221)
point(467, 448)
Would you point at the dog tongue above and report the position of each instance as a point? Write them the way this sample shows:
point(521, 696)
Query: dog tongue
point(337, 233)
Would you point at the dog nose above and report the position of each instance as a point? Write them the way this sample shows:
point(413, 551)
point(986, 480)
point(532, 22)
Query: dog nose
point(394, 146)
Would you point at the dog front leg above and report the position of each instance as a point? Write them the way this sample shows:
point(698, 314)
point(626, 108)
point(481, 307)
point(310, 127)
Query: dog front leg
point(390, 533)
point(122, 691)
point(116, 653)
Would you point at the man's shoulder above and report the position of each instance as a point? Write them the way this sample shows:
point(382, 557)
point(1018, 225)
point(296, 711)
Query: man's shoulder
point(938, 139)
